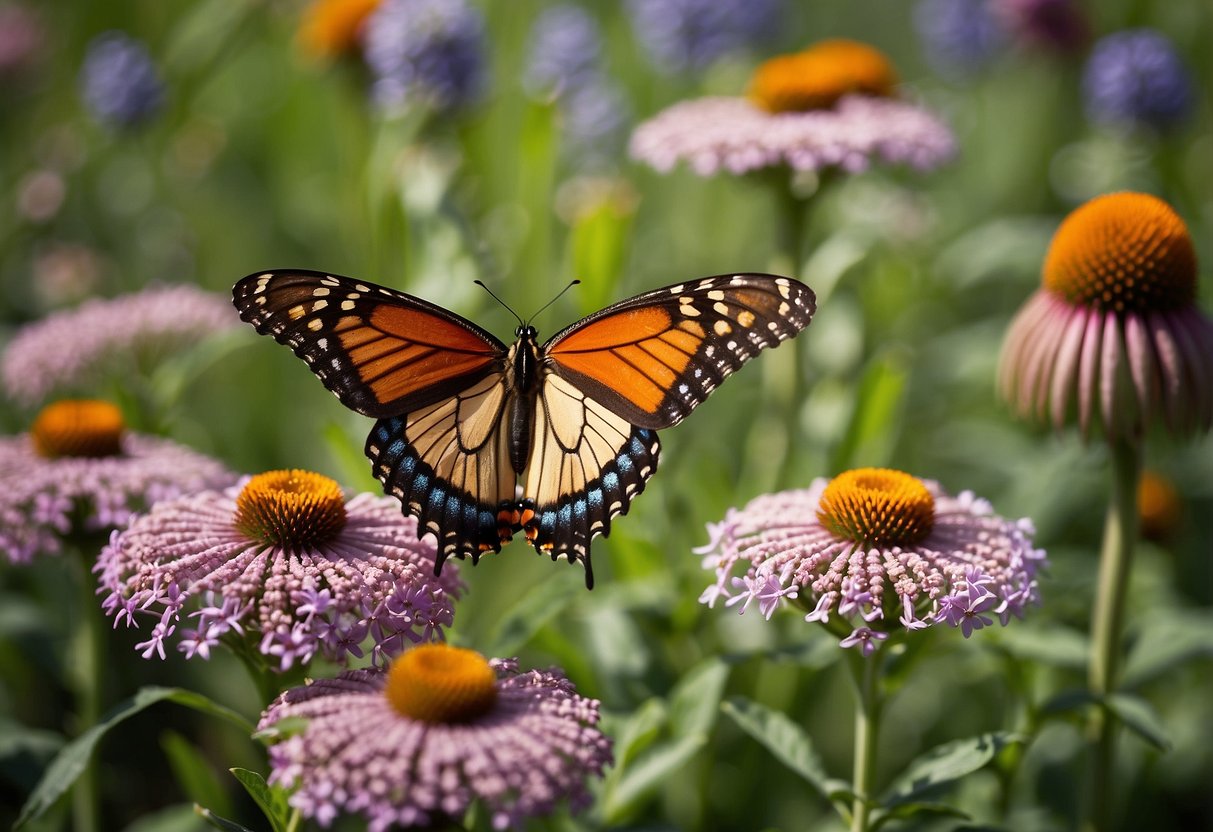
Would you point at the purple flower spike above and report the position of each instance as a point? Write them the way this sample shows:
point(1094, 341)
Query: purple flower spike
point(120, 83)
point(1137, 78)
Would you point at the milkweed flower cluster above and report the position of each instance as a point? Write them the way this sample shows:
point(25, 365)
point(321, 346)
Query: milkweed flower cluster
point(1137, 78)
point(1114, 335)
point(119, 81)
point(284, 559)
point(79, 471)
point(70, 349)
point(828, 106)
point(563, 65)
point(877, 549)
point(428, 53)
point(415, 745)
point(689, 35)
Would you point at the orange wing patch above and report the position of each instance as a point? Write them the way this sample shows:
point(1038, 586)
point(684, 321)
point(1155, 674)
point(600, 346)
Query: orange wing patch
point(645, 366)
point(613, 330)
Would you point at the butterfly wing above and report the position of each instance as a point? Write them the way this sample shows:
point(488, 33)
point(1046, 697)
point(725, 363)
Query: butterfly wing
point(586, 465)
point(448, 464)
point(381, 352)
point(613, 379)
point(434, 380)
point(653, 358)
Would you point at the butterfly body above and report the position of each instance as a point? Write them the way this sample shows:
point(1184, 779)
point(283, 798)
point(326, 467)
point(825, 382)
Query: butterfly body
point(481, 442)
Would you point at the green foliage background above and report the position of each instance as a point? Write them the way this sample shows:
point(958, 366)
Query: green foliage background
point(263, 160)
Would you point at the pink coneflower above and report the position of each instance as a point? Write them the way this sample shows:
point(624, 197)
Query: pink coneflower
point(879, 550)
point(1114, 336)
point(69, 350)
point(284, 561)
point(830, 106)
point(415, 745)
point(79, 471)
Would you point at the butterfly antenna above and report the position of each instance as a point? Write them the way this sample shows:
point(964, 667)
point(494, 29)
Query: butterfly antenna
point(499, 300)
point(559, 294)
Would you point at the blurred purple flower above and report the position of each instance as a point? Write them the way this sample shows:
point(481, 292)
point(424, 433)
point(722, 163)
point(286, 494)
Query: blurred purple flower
point(428, 53)
point(733, 135)
point(563, 52)
point(535, 747)
point(315, 592)
point(42, 499)
point(958, 36)
point(120, 84)
point(689, 35)
point(22, 37)
point(71, 349)
point(1136, 77)
point(961, 560)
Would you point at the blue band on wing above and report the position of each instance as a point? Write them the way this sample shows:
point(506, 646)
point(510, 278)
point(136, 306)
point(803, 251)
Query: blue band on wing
point(464, 527)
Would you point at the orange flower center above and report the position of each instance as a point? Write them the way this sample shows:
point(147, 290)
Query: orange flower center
point(293, 509)
point(330, 28)
point(820, 75)
point(1159, 507)
point(440, 683)
point(877, 507)
point(1124, 252)
point(78, 427)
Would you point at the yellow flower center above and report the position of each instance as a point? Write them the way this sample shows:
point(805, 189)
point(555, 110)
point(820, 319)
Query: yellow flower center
point(877, 507)
point(78, 427)
point(1124, 252)
point(440, 683)
point(293, 509)
point(820, 75)
point(330, 28)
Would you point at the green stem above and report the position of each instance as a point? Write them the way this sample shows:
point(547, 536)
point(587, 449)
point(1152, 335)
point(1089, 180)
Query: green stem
point(88, 665)
point(1107, 621)
point(293, 824)
point(865, 672)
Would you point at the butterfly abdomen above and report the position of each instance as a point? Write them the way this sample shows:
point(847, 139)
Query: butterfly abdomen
point(522, 402)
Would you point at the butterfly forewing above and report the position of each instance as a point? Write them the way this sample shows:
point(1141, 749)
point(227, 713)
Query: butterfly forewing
point(652, 359)
point(380, 351)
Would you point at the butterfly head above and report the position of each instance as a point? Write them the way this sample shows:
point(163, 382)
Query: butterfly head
point(526, 332)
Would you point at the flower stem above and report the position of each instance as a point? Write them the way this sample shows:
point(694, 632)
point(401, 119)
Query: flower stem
point(88, 650)
point(865, 672)
point(1107, 621)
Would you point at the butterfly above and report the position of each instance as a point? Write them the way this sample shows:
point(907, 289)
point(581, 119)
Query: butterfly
point(480, 441)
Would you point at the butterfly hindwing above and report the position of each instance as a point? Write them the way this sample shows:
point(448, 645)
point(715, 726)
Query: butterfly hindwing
point(653, 358)
point(448, 464)
point(587, 463)
point(380, 351)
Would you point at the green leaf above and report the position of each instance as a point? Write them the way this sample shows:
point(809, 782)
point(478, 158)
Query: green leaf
point(647, 775)
point(788, 742)
point(1139, 717)
point(941, 766)
point(194, 774)
point(218, 822)
point(636, 732)
point(693, 706)
point(905, 811)
point(1166, 642)
point(877, 411)
point(181, 818)
point(695, 701)
point(532, 612)
point(1056, 646)
point(73, 759)
point(271, 801)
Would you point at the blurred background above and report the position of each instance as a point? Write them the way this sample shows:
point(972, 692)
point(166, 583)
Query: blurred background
point(253, 142)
